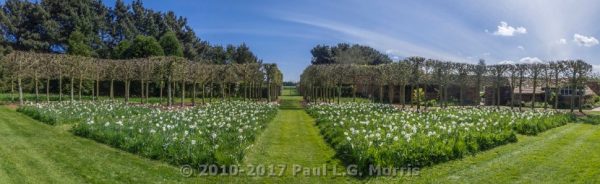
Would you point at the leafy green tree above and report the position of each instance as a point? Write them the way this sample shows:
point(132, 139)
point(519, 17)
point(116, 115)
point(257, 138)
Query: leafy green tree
point(171, 45)
point(121, 50)
point(142, 47)
point(77, 44)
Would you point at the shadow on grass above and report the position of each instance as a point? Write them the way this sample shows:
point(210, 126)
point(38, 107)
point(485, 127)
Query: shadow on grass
point(592, 119)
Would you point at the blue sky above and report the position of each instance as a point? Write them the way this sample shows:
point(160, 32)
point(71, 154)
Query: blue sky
point(283, 32)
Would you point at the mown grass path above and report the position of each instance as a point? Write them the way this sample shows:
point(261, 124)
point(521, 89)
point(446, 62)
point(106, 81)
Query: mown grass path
point(292, 139)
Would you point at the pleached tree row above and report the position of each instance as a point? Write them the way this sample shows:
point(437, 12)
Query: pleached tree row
point(167, 77)
point(426, 82)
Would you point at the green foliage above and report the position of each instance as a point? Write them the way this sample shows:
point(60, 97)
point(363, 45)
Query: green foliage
point(143, 47)
point(345, 53)
point(46, 26)
point(78, 44)
point(217, 133)
point(418, 95)
point(120, 51)
point(381, 135)
point(171, 45)
point(534, 123)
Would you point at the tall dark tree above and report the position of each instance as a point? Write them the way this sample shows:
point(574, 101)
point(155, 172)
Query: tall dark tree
point(27, 26)
point(321, 55)
point(171, 45)
point(243, 55)
point(123, 27)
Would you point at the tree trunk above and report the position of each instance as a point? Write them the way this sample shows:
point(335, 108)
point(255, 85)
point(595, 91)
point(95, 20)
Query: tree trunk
point(211, 92)
point(20, 86)
point(498, 94)
point(12, 90)
point(48, 90)
point(520, 93)
point(353, 93)
point(60, 93)
point(222, 86)
point(182, 93)
point(194, 94)
point(161, 91)
point(461, 95)
point(339, 93)
point(72, 90)
point(80, 86)
point(97, 89)
point(580, 96)
point(380, 93)
point(445, 96)
point(403, 95)
point(573, 89)
point(112, 89)
point(126, 90)
point(556, 90)
point(412, 100)
point(269, 90)
point(37, 93)
point(202, 88)
point(169, 91)
point(533, 95)
point(142, 91)
point(147, 95)
point(391, 94)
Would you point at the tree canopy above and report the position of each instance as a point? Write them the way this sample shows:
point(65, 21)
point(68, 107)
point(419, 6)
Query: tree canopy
point(78, 45)
point(344, 53)
point(143, 47)
point(171, 45)
point(46, 26)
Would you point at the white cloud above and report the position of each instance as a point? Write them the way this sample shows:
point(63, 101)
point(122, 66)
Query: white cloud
point(507, 62)
point(393, 54)
point(585, 40)
point(505, 30)
point(376, 39)
point(521, 47)
point(596, 68)
point(530, 60)
point(562, 41)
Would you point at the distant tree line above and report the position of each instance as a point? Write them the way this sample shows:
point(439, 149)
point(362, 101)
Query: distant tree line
point(327, 77)
point(90, 28)
point(345, 53)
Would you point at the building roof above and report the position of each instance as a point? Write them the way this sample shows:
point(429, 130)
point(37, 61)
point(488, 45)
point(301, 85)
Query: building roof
point(528, 90)
point(540, 90)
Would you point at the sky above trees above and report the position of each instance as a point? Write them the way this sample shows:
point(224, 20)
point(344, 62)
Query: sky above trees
point(284, 32)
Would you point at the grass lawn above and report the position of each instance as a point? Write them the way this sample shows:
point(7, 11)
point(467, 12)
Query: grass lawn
point(33, 152)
